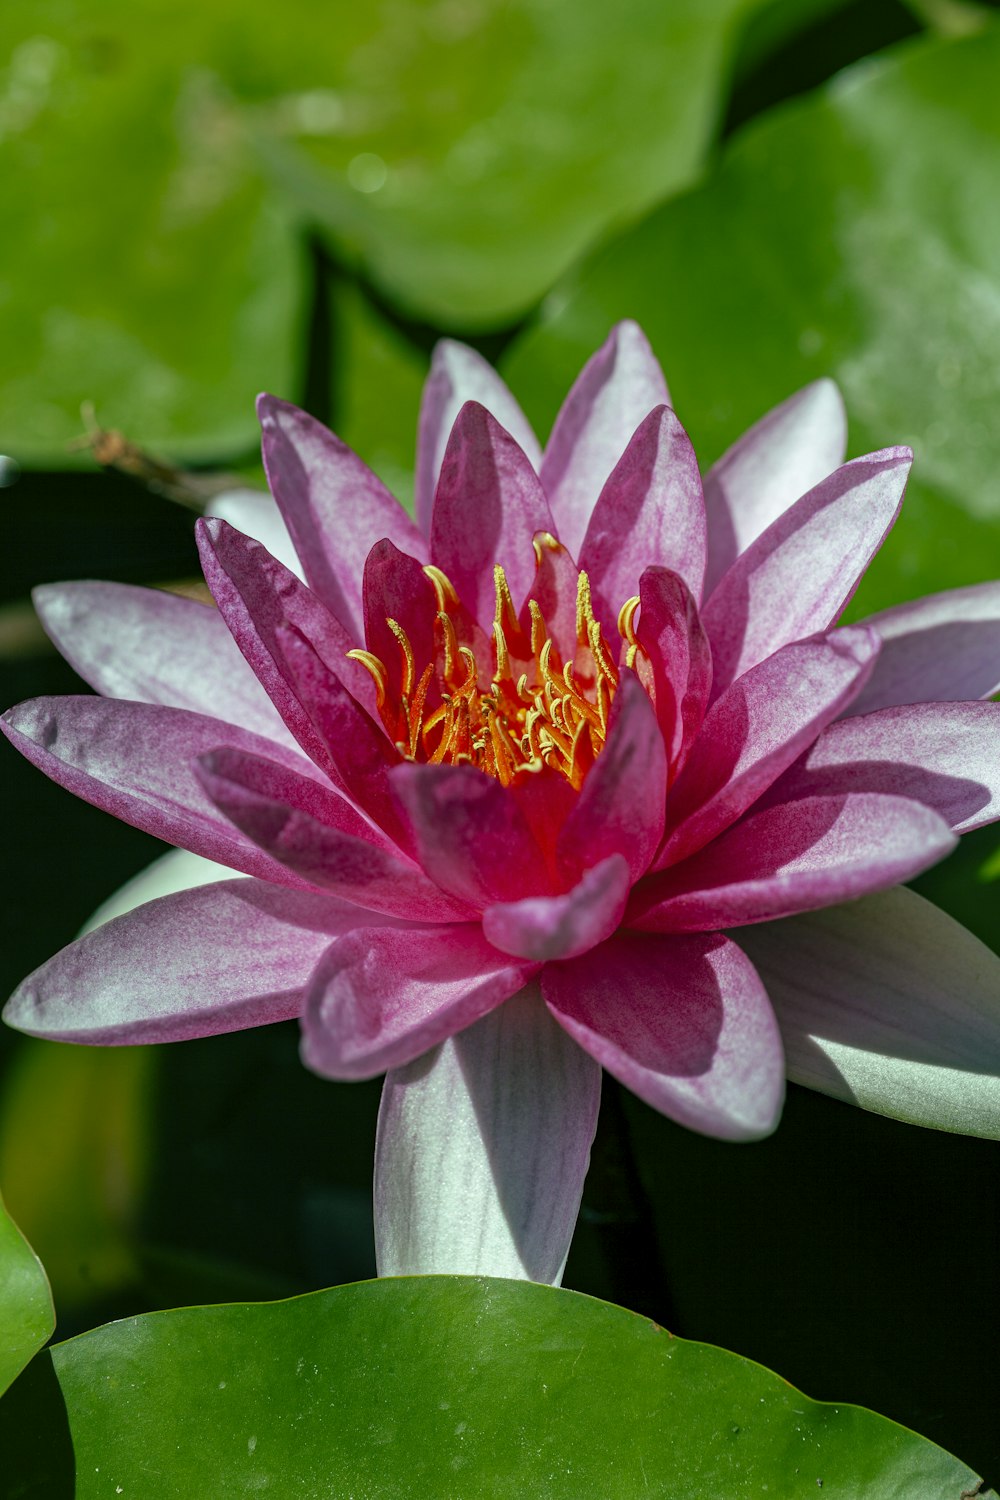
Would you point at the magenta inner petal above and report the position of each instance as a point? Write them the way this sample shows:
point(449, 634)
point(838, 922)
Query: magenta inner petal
point(547, 927)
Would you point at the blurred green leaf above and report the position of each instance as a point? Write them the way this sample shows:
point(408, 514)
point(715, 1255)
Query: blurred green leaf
point(856, 234)
point(433, 1385)
point(27, 1317)
point(466, 151)
point(461, 152)
point(73, 1149)
point(144, 266)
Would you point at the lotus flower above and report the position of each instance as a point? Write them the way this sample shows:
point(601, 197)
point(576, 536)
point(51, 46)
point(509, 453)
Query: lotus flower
point(505, 777)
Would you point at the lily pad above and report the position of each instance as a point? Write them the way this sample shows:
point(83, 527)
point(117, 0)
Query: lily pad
point(438, 1385)
point(856, 234)
point(27, 1317)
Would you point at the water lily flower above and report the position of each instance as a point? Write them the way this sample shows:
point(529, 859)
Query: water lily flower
point(575, 770)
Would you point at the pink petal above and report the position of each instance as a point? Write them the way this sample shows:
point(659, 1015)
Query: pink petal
point(888, 1004)
point(545, 927)
point(757, 728)
point(257, 596)
point(620, 807)
point(676, 647)
point(335, 508)
point(945, 647)
point(780, 458)
point(944, 755)
point(382, 996)
point(219, 958)
point(488, 506)
point(799, 574)
point(354, 748)
point(177, 870)
point(255, 513)
point(649, 513)
point(554, 590)
point(397, 588)
point(795, 857)
point(483, 1147)
point(155, 647)
point(135, 760)
point(321, 838)
point(684, 1022)
point(457, 375)
point(615, 390)
point(470, 834)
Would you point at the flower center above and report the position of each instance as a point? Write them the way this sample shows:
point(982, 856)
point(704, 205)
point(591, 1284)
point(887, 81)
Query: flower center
point(510, 704)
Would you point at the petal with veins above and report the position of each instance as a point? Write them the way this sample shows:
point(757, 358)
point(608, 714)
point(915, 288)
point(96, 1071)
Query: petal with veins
point(780, 458)
point(219, 958)
point(889, 1004)
point(544, 927)
point(615, 390)
point(482, 1149)
point(382, 996)
point(457, 375)
point(684, 1022)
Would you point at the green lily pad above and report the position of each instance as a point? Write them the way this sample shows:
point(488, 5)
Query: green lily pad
point(145, 266)
point(156, 162)
point(27, 1316)
point(463, 1387)
point(853, 234)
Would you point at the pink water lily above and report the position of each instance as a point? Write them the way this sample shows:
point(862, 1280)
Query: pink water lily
point(507, 776)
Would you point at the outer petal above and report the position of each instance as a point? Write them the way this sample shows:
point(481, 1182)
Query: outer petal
point(676, 648)
point(946, 755)
point(780, 458)
point(135, 761)
point(179, 870)
point(545, 927)
point(488, 506)
point(650, 512)
point(255, 513)
point(482, 1149)
point(795, 857)
point(683, 1022)
point(470, 835)
point(889, 1004)
point(617, 387)
point(155, 647)
point(257, 596)
point(796, 578)
point(219, 958)
point(620, 807)
point(335, 508)
point(321, 838)
point(457, 375)
point(383, 996)
point(945, 647)
point(757, 728)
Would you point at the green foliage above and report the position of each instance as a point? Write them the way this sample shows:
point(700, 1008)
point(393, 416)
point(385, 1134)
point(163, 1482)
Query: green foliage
point(453, 1386)
point(853, 234)
point(26, 1314)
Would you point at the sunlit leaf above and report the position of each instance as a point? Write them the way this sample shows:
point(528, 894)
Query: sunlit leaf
point(855, 234)
point(431, 1386)
point(26, 1313)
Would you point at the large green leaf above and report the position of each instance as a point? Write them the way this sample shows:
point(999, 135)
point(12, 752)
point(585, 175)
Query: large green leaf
point(467, 153)
point(27, 1317)
point(855, 234)
point(439, 1386)
point(463, 153)
point(144, 265)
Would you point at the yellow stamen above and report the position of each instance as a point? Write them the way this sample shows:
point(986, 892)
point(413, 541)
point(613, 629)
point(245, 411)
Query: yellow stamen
point(406, 651)
point(626, 620)
point(378, 672)
point(504, 612)
point(447, 594)
point(544, 541)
